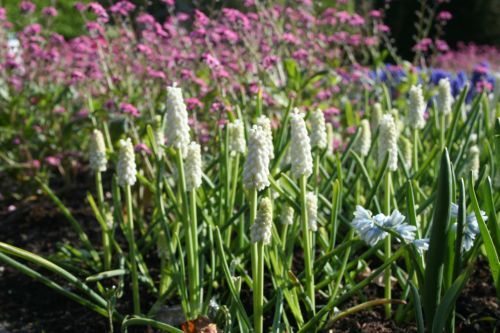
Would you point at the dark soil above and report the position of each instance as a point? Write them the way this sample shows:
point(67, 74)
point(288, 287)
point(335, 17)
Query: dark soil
point(28, 306)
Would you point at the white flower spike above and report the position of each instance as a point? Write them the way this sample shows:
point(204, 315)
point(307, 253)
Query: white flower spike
point(126, 167)
point(97, 152)
point(416, 108)
point(444, 98)
point(318, 129)
point(300, 147)
point(193, 166)
point(312, 211)
point(256, 168)
point(237, 144)
point(177, 120)
point(260, 231)
point(388, 142)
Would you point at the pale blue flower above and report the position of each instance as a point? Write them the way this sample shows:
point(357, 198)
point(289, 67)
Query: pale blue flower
point(369, 228)
point(365, 226)
point(471, 227)
point(421, 244)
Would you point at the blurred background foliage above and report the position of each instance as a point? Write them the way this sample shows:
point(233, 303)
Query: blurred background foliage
point(474, 21)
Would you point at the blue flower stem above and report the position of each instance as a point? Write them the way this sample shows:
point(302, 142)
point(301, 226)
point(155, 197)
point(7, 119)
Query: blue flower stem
point(387, 244)
point(306, 238)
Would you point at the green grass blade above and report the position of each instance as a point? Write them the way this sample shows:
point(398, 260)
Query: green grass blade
point(417, 306)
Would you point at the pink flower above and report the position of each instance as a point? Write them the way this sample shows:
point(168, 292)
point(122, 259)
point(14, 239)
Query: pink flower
point(193, 103)
point(49, 11)
point(53, 160)
point(98, 10)
point(130, 109)
point(59, 110)
point(35, 164)
point(376, 14)
point(444, 16)
point(383, 28)
point(168, 2)
point(3, 14)
point(442, 46)
point(27, 7)
point(32, 29)
point(142, 147)
point(423, 45)
point(122, 7)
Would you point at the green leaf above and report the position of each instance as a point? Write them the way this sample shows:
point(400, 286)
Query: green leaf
point(433, 275)
point(417, 306)
point(446, 306)
point(491, 253)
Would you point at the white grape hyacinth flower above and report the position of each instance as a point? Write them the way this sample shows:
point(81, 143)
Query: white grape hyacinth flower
point(265, 123)
point(237, 144)
point(376, 116)
point(388, 142)
point(444, 98)
point(126, 167)
point(318, 129)
point(287, 215)
point(261, 229)
point(256, 167)
point(97, 152)
point(193, 166)
point(177, 120)
point(300, 147)
point(365, 138)
point(416, 108)
point(474, 161)
point(312, 211)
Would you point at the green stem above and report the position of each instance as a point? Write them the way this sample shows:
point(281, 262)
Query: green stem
point(387, 245)
point(415, 150)
point(306, 237)
point(253, 214)
point(133, 261)
point(258, 290)
point(194, 238)
point(192, 283)
point(105, 231)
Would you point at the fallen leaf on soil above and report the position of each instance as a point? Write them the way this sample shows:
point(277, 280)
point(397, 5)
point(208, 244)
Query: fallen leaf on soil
point(200, 325)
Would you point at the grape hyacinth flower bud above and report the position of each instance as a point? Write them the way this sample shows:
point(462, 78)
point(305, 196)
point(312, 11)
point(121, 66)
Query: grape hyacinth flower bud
point(416, 108)
point(287, 215)
point(193, 166)
point(318, 130)
point(365, 139)
point(260, 231)
point(126, 168)
point(159, 134)
point(312, 210)
point(237, 144)
point(444, 98)
point(265, 124)
point(177, 120)
point(407, 151)
point(256, 168)
point(97, 152)
point(376, 116)
point(474, 161)
point(300, 147)
point(388, 142)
